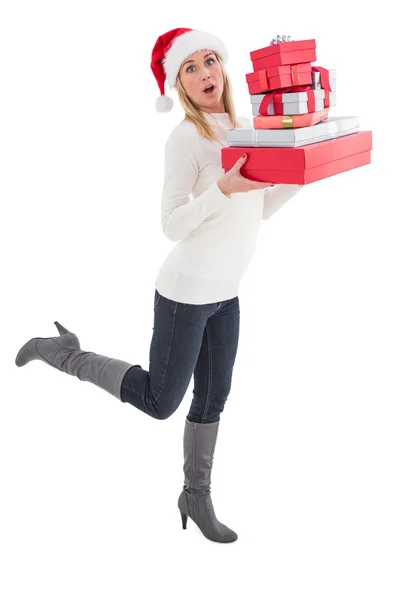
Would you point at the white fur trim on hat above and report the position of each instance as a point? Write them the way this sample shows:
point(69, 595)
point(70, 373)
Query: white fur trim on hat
point(186, 44)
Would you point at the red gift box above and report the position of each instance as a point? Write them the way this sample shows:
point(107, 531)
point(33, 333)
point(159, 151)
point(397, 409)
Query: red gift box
point(303, 164)
point(287, 53)
point(290, 121)
point(282, 76)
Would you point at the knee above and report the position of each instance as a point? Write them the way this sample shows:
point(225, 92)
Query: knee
point(163, 413)
point(164, 406)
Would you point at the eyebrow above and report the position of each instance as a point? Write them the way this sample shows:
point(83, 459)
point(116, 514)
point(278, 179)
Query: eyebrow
point(205, 56)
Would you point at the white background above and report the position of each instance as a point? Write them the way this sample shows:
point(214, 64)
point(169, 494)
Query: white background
point(306, 468)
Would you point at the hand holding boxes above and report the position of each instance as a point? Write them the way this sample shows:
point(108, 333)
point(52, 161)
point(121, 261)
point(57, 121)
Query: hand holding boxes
point(302, 164)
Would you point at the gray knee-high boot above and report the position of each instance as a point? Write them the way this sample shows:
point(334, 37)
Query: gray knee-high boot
point(199, 442)
point(64, 353)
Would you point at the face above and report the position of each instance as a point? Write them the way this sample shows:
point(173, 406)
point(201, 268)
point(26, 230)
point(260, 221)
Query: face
point(198, 71)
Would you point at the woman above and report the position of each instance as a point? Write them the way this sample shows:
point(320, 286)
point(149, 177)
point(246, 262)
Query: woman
point(214, 217)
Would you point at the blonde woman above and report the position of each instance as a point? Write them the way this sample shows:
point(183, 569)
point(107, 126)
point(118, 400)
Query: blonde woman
point(214, 219)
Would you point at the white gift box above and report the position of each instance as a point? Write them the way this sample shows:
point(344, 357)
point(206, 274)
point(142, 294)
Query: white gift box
point(292, 108)
point(316, 84)
point(332, 98)
point(316, 79)
point(291, 138)
point(294, 103)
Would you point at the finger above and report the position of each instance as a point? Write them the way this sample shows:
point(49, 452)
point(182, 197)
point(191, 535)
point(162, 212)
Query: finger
point(264, 184)
point(257, 185)
point(240, 162)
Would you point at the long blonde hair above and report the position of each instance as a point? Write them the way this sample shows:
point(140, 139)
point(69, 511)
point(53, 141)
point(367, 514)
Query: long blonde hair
point(193, 112)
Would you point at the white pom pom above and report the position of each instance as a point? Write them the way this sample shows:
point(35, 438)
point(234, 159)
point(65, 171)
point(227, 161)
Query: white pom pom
point(164, 104)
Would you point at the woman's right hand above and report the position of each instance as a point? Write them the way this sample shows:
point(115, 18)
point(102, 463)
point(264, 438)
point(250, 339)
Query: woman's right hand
point(233, 181)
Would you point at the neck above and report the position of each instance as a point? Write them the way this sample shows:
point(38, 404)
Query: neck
point(218, 108)
point(215, 114)
point(214, 111)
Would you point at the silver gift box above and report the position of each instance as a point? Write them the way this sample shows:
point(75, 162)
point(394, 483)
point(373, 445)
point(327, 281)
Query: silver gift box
point(316, 84)
point(316, 80)
point(294, 103)
point(291, 108)
point(293, 137)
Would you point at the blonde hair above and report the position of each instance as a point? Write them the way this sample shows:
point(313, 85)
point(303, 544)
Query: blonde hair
point(193, 112)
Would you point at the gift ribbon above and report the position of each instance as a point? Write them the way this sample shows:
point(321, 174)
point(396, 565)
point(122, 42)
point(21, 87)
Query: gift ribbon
point(287, 121)
point(294, 72)
point(276, 98)
point(325, 85)
point(255, 141)
point(262, 78)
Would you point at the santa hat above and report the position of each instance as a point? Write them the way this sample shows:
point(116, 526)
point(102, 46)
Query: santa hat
point(171, 49)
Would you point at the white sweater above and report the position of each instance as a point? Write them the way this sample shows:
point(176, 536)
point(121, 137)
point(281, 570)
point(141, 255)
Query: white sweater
point(216, 236)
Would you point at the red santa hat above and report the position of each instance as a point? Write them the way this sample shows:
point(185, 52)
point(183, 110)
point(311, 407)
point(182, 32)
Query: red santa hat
point(171, 49)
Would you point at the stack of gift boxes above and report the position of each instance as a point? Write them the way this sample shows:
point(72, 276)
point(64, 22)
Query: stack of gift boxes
point(294, 140)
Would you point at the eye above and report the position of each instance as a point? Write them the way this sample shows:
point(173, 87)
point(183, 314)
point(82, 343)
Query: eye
point(192, 66)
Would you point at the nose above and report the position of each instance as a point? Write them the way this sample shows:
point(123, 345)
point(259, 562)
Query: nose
point(205, 74)
point(204, 80)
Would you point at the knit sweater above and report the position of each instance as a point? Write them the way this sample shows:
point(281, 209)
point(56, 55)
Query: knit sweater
point(215, 235)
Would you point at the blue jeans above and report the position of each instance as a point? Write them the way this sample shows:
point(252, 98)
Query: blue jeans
point(188, 339)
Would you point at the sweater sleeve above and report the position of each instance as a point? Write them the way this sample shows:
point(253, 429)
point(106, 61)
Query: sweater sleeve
point(179, 214)
point(275, 197)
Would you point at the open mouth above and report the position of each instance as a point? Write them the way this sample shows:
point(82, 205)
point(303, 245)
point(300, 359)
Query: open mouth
point(209, 89)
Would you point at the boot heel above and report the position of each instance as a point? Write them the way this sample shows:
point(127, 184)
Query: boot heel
point(184, 519)
point(60, 328)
